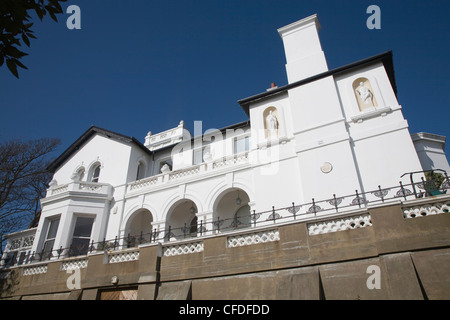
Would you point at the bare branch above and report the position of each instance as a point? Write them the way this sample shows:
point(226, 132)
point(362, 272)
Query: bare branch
point(23, 179)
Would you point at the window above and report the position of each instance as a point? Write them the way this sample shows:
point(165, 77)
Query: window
point(81, 236)
point(241, 144)
point(96, 174)
point(140, 171)
point(50, 239)
point(199, 155)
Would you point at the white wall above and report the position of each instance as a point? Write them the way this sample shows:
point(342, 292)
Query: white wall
point(304, 55)
point(118, 162)
point(114, 157)
point(380, 136)
point(431, 151)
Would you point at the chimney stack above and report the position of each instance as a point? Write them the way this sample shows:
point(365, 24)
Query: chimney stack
point(304, 55)
point(272, 86)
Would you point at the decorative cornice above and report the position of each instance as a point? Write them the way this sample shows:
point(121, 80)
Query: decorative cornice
point(299, 25)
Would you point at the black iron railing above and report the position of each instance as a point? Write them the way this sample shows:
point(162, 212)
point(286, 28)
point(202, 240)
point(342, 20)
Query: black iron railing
point(294, 212)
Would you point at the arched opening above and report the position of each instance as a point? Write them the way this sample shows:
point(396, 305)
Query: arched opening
point(231, 210)
point(140, 174)
point(78, 175)
point(138, 229)
point(94, 172)
point(181, 221)
point(364, 94)
point(193, 227)
point(271, 122)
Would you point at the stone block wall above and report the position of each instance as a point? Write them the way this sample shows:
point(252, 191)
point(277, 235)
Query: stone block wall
point(391, 257)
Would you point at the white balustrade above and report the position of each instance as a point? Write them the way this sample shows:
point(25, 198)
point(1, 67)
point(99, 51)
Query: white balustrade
point(123, 256)
point(426, 209)
point(74, 264)
point(183, 248)
point(253, 238)
point(36, 269)
point(340, 224)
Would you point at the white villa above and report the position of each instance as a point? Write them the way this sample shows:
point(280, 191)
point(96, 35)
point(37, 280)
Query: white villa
point(327, 142)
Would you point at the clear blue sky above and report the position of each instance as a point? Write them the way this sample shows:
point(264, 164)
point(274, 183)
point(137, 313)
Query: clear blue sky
point(141, 65)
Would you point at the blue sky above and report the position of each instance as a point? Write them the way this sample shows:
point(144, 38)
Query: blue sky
point(141, 65)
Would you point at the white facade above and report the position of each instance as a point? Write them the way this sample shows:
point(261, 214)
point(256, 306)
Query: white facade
point(327, 134)
point(430, 149)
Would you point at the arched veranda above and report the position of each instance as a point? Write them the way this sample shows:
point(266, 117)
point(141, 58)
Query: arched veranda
point(232, 210)
point(182, 221)
point(138, 228)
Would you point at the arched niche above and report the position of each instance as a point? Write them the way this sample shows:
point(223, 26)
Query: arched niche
point(141, 169)
point(271, 122)
point(79, 174)
point(364, 94)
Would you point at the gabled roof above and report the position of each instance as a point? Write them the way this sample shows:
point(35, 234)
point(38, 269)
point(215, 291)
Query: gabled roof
point(85, 137)
point(385, 58)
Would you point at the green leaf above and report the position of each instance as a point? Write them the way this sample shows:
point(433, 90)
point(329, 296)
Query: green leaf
point(12, 67)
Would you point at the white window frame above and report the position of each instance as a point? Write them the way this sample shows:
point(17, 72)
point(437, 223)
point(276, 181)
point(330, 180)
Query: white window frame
point(50, 227)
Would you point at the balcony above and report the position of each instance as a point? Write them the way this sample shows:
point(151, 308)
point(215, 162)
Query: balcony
point(235, 162)
point(78, 188)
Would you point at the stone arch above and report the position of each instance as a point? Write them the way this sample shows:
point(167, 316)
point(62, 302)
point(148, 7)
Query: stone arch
point(177, 196)
point(138, 227)
point(79, 173)
point(221, 188)
point(94, 171)
point(141, 170)
point(231, 209)
point(181, 220)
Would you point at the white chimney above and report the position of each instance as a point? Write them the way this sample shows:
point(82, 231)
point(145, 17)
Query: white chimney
point(304, 55)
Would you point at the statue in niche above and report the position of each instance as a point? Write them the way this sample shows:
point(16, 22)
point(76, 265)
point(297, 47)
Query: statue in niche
point(272, 124)
point(365, 94)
